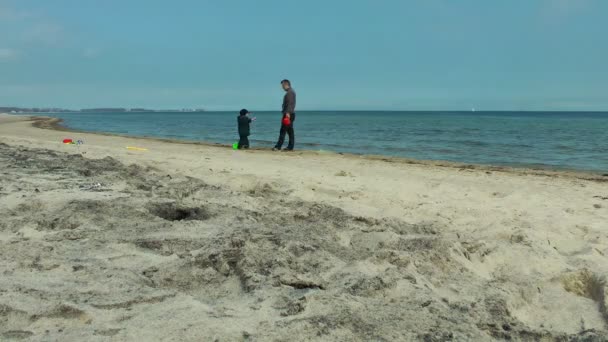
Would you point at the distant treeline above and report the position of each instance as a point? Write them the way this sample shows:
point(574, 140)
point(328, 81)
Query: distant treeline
point(93, 110)
point(34, 110)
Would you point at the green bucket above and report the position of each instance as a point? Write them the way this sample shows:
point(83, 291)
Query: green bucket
point(235, 146)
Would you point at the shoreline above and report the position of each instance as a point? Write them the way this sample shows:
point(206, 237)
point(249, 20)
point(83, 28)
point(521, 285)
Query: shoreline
point(44, 122)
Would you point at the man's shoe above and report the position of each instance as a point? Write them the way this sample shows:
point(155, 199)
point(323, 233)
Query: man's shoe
point(276, 149)
point(288, 150)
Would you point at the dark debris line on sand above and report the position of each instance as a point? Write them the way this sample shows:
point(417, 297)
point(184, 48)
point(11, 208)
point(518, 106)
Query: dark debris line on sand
point(285, 269)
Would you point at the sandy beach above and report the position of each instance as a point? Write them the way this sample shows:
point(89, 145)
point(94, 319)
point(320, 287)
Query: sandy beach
point(169, 241)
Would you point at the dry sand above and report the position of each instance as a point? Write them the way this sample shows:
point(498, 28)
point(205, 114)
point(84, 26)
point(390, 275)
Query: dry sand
point(190, 242)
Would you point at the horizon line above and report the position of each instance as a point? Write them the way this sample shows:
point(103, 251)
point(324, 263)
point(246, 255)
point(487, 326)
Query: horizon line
point(202, 110)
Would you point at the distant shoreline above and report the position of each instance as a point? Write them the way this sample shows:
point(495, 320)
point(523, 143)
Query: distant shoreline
point(43, 122)
point(446, 111)
point(108, 111)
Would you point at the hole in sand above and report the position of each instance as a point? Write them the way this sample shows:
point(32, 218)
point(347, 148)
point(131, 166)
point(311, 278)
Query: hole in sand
point(173, 212)
point(585, 284)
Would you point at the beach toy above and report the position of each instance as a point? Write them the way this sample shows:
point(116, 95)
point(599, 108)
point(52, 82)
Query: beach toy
point(235, 146)
point(68, 141)
point(286, 121)
point(136, 148)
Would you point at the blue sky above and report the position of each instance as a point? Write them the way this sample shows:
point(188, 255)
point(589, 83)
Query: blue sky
point(355, 54)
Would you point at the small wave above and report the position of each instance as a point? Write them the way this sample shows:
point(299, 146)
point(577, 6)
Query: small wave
point(565, 147)
point(473, 143)
point(427, 131)
point(309, 144)
point(518, 145)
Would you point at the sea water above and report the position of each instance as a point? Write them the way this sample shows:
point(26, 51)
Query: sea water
point(558, 140)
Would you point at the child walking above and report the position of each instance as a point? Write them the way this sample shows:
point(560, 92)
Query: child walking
point(243, 121)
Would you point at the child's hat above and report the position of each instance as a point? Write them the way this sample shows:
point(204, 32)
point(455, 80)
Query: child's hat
point(244, 111)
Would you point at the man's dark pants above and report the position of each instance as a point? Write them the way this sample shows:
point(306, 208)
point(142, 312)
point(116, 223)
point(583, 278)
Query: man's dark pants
point(290, 132)
point(244, 141)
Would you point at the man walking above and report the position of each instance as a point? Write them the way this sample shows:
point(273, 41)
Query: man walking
point(289, 116)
